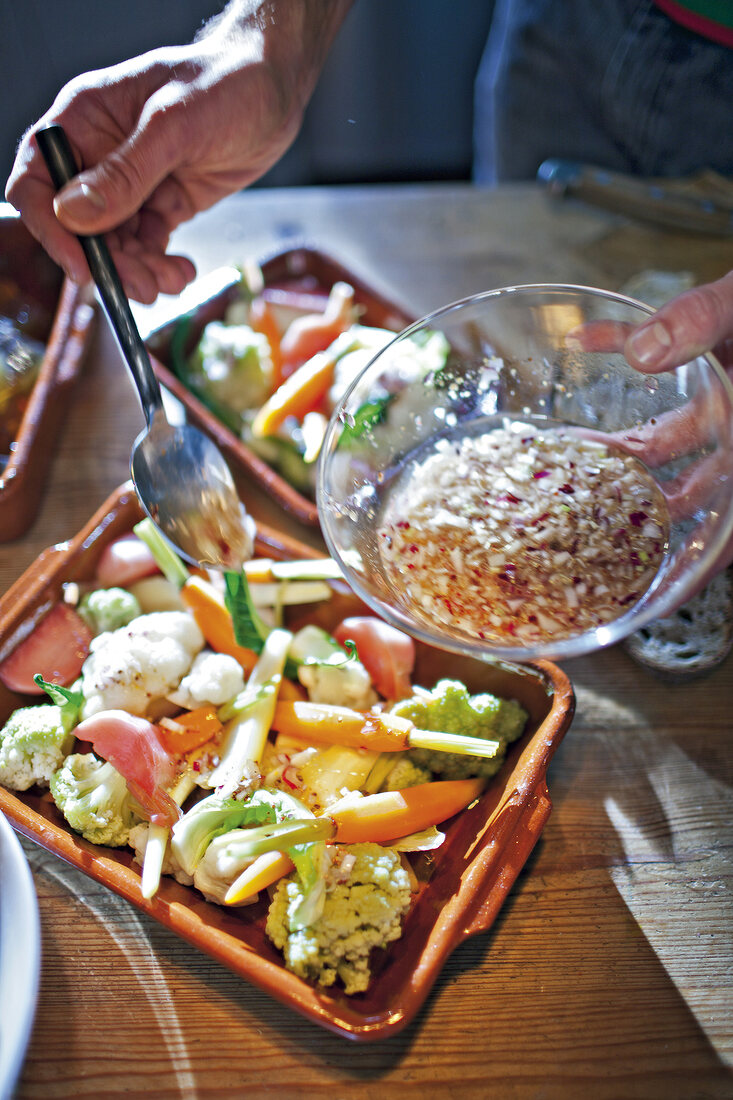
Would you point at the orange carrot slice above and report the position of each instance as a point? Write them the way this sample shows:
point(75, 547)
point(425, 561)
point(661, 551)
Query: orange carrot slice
point(392, 814)
point(299, 394)
point(341, 725)
point(189, 730)
point(214, 621)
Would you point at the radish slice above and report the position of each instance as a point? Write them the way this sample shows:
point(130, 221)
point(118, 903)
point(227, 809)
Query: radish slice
point(57, 649)
point(125, 561)
point(387, 654)
point(133, 746)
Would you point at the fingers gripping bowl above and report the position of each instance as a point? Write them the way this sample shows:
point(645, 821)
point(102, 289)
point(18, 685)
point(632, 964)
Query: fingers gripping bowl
point(515, 488)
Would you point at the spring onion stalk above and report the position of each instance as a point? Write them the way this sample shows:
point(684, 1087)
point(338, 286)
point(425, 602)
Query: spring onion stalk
point(246, 734)
point(158, 836)
point(167, 560)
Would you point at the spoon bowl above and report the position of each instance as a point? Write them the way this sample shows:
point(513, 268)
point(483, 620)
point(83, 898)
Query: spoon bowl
point(180, 476)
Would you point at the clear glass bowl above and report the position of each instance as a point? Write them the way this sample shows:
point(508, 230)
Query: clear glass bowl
point(544, 355)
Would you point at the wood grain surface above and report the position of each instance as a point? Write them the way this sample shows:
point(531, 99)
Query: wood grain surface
point(609, 972)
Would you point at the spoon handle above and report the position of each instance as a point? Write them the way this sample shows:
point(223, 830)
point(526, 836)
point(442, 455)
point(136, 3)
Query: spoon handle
point(59, 158)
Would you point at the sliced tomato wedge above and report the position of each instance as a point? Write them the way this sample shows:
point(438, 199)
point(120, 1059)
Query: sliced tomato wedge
point(387, 653)
point(124, 561)
point(57, 648)
point(133, 746)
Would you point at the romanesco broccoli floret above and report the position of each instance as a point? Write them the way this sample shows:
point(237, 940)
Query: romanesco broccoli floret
point(405, 773)
point(33, 744)
point(363, 909)
point(94, 799)
point(449, 708)
point(108, 609)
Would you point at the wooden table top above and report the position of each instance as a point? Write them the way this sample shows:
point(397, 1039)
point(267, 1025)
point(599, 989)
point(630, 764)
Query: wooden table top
point(609, 972)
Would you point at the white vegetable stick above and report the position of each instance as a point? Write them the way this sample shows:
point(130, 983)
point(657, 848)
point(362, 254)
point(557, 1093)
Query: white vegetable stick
point(153, 859)
point(279, 594)
point(157, 840)
point(246, 736)
point(307, 569)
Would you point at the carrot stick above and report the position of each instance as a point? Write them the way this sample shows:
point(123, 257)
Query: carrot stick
point(262, 319)
point(301, 392)
point(341, 726)
point(392, 814)
point(214, 621)
point(261, 873)
point(383, 732)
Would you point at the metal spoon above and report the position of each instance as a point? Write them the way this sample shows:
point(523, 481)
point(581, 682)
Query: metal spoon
point(180, 476)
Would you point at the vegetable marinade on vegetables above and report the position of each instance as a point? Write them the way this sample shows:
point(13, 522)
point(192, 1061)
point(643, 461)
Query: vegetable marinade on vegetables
point(245, 759)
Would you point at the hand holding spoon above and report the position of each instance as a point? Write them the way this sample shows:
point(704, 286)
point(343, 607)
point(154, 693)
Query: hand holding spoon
point(180, 476)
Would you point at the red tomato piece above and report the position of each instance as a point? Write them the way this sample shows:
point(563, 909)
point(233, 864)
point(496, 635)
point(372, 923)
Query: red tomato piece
point(387, 654)
point(125, 561)
point(57, 648)
point(133, 746)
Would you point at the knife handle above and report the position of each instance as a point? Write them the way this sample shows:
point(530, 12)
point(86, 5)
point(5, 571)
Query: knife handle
point(648, 200)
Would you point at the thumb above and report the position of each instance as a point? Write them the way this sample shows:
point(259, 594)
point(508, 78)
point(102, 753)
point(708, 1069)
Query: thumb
point(103, 197)
point(688, 326)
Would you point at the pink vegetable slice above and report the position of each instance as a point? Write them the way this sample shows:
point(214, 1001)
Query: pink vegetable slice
point(125, 561)
point(133, 746)
point(57, 648)
point(387, 654)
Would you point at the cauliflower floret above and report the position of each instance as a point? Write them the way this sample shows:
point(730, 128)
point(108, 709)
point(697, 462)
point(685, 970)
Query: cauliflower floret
point(94, 799)
point(219, 867)
point(362, 911)
point(138, 841)
point(213, 678)
point(145, 660)
point(345, 684)
point(450, 708)
point(233, 366)
point(108, 609)
point(328, 673)
point(33, 744)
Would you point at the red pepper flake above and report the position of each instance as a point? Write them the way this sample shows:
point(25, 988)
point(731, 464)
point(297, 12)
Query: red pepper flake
point(566, 488)
point(403, 524)
point(540, 473)
point(414, 548)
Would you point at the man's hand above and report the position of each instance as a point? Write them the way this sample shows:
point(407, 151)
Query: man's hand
point(166, 135)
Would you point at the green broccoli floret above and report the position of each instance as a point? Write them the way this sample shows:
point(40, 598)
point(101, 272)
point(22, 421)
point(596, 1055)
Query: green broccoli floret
point(449, 708)
point(232, 367)
point(33, 744)
point(108, 609)
point(363, 910)
point(94, 799)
